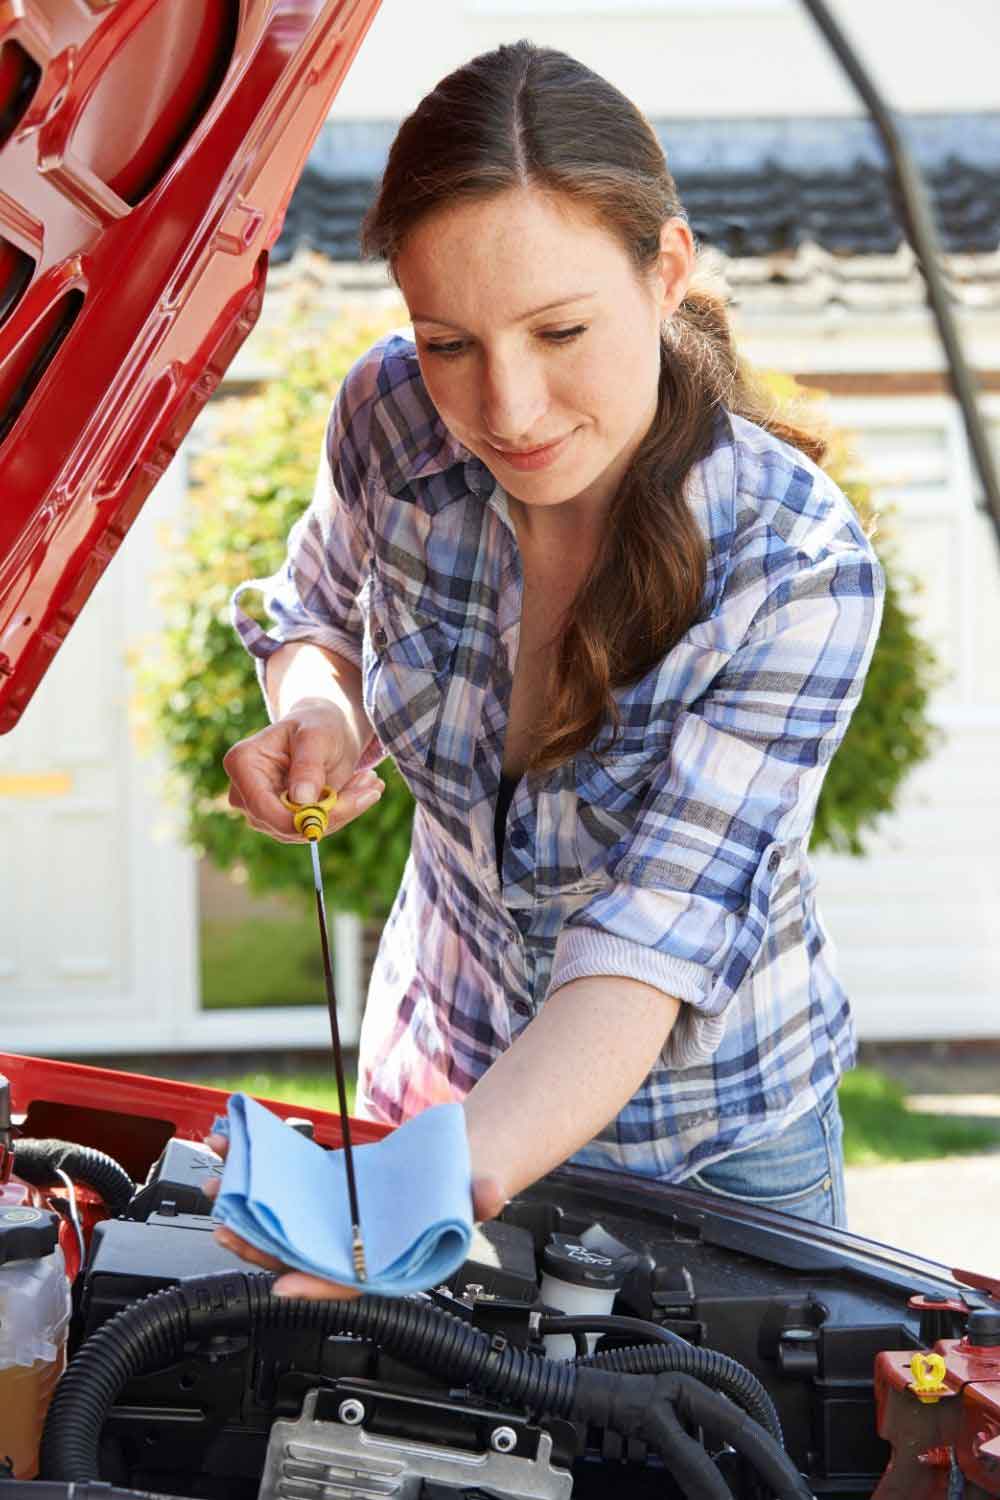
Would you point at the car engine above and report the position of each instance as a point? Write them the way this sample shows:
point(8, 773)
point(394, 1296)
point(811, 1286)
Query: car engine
point(606, 1336)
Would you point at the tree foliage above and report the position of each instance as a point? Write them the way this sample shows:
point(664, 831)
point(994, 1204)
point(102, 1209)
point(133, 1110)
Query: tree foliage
point(197, 691)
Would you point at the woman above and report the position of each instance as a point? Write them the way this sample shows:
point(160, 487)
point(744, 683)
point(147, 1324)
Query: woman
point(611, 621)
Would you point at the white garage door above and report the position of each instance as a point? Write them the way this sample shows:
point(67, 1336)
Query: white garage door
point(917, 925)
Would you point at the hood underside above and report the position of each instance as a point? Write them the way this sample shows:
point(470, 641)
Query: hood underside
point(148, 151)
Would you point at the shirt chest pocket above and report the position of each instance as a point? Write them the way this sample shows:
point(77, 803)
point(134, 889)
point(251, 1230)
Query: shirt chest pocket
point(610, 793)
point(407, 660)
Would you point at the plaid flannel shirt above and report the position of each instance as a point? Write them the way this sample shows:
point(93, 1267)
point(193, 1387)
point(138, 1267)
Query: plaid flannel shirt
point(678, 859)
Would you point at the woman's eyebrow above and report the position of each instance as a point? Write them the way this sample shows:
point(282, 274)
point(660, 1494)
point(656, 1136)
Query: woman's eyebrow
point(522, 318)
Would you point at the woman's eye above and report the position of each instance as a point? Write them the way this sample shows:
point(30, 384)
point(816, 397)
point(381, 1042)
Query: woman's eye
point(565, 335)
point(552, 336)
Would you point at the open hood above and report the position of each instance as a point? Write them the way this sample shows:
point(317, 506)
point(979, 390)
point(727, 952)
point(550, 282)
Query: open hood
point(148, 150)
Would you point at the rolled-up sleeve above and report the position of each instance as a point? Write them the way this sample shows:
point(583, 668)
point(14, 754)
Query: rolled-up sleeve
point(313, 596)
point(687, 908)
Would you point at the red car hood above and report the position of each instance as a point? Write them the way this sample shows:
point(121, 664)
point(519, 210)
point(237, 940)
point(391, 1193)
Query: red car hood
point(148, 150)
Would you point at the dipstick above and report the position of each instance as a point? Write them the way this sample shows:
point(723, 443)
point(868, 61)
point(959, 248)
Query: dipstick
point(311, 821)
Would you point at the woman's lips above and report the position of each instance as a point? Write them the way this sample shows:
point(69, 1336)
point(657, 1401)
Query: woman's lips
point(535, 458)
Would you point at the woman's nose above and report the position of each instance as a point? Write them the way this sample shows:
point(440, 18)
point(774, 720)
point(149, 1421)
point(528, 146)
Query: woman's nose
point(514, 400)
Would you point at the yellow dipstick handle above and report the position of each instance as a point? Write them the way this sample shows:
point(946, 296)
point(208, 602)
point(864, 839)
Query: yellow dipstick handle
point(928, 1377)
point(311, 818)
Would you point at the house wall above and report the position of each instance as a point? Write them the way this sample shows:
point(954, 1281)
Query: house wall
point(915, 922)
point(99, 911)
point(97, 916)
point(693, 57)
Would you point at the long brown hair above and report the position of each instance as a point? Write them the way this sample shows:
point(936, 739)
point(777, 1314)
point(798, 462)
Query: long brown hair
point(525, 116)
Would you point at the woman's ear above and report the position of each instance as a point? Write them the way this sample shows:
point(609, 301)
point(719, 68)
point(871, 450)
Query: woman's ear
point(676, 265)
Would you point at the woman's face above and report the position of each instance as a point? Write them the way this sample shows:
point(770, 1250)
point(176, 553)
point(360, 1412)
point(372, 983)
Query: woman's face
point(538, 341)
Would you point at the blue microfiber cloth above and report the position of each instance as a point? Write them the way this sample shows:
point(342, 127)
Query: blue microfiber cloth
point(288, 1196)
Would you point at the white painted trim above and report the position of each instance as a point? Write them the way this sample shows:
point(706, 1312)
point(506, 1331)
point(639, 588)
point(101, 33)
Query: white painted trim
point(624, 10)
point(163, 930)
point(952, 1016)
point(274, 1027)
point(964, 716)
point(346, 938)
point(853, 344)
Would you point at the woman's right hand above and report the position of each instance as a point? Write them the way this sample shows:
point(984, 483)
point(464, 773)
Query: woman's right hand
point(312, 746)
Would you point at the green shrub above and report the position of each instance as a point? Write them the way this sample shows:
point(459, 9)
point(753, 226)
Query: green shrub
point(197, 690)
point(198, 693)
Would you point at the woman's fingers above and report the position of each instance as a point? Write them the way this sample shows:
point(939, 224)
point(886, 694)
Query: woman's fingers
point(488, 1198)
point(298, 1284)
point(238, 1246)
point(361, 792)
point(287, 756)
point(295, 1283)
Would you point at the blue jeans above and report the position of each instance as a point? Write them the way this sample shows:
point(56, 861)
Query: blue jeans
point(800, 1172)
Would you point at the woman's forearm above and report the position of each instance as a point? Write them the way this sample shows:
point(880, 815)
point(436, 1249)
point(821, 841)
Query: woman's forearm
point(569, 1072)
point(300, 670)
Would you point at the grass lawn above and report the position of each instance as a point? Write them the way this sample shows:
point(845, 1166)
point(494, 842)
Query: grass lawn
point(263, 962)
point(878, 1127)
point(319, 1090)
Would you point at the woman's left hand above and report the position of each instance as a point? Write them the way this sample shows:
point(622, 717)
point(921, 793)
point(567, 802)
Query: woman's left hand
point(487, 1201)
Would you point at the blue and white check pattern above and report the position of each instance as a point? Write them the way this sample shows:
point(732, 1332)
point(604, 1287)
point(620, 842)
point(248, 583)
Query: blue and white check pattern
point(679, 859)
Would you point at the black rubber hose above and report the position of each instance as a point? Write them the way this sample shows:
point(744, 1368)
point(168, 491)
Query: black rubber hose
point(609, 1323)
point(716, 1370)
point(38, 1161)
point(23, 1489)
point(631, 1406)
point(153, 1332)
point(684, 1456)
point(726, 1422)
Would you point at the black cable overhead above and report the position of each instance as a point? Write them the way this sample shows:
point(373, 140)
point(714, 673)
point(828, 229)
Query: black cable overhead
point(918, 226)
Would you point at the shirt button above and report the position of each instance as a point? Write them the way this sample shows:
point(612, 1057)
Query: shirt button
point(774, 861)
point(518, 838)
point(380, 638)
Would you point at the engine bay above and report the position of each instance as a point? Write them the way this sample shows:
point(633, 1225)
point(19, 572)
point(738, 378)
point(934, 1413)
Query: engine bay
point(605, 1336)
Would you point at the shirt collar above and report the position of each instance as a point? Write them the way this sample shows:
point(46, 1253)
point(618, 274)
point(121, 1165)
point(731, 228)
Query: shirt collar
point(458, 471)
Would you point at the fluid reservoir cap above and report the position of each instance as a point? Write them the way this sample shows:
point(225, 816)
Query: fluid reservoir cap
point(27, 1233)
point(983, 1327)
point(571, 1261)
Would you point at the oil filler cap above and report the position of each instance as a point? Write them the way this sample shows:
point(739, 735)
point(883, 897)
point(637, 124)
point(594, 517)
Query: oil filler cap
point(27, 1233)
point(573, 1262)
point(983, 1328)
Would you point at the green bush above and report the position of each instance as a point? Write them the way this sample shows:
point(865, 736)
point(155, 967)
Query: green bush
point(197, 689)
